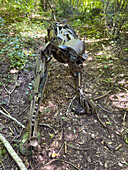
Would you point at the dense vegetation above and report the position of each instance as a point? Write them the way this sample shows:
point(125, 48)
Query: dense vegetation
point(20, 20)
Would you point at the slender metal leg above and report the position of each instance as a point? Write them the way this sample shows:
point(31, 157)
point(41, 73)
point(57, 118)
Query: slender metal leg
point(41, 75)
point(81, 104)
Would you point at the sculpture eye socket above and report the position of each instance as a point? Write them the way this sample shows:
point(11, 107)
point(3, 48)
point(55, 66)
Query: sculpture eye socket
point(68, 37)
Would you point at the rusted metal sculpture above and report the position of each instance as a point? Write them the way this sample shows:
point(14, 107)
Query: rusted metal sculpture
point(64, 45)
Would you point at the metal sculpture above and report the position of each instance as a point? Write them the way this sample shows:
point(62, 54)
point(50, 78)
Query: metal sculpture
point(64, 45)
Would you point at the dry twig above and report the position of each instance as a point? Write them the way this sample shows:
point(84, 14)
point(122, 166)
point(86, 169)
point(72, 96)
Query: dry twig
point(99, 97)
point(9, 116)
point(5, 110)
point(104, 109)
point(10, 92)
point(61, 148)
point(43, 124)
point(102, 123)
point(96, 78)
point(81, 149)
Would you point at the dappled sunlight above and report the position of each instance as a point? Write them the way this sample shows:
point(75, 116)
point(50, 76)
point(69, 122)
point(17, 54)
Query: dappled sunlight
point(105, 52)
point(14, 71)
point(95, 40)
point(36, 34)
point(49, 167)
point(121, 75)
point(47, 109)
point(71, 136)
point(66, 65)
point(100, 53)
point(120, 100)
point(123, 83)
point(85, 64)
point(90, 58)
point(37, 16)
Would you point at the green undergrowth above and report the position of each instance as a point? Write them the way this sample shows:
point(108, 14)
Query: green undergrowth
point(19, 42)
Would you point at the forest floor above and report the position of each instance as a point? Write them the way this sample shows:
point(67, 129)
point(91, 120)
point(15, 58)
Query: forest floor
point(68, 141)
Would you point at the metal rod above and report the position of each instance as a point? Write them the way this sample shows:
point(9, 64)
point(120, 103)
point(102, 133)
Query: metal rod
point(79, 79)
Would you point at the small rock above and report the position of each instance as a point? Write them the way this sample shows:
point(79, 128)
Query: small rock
point(69, 128)
point(105, 116)
point(120, 164)
point(100, 163)
point(95, 121)
point(84, 132)
point(105, 165)
point(89, 159)
point(92, 136)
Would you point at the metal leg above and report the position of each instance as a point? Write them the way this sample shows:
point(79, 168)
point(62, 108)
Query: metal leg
point(81, 104)
point(41, 75)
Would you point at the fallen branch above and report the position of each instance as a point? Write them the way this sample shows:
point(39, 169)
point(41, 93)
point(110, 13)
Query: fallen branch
point(104, 109)
point(96, 78)
point(43, 124)
point(99, 97)
point(23, 110)
point(9, 116)
point(12, 153)
point(10, 92)
point(61, 148)
point(124, 117)
point(5, 110)
point(102, 123)
point(81, 149)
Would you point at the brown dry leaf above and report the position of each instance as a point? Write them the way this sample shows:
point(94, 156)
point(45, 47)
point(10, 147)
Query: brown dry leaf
point(54, 155)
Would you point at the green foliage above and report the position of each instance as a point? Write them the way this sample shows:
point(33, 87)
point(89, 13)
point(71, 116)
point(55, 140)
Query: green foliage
point(46, 110)
point(105, 63)
point(102, 18)
point(77, 22)
point(18, 49)
point(2, 150)
point(109, 18)
point(115, 17)
point(125, 49)
point(15, 53)
point(19, 6)
point(13, 49)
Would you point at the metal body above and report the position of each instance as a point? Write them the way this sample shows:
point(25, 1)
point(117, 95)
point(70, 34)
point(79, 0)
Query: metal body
point(64, 45)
